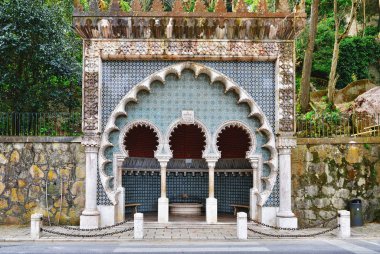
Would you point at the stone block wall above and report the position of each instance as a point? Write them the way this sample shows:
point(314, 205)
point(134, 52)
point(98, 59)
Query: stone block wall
point(328, 173)
point(41, 172)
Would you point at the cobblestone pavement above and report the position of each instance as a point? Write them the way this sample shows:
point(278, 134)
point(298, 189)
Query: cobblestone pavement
point(178, 232)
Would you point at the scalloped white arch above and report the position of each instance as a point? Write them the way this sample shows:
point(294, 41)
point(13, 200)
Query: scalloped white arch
point(198, 123)
point(242, 125)
point(215, 76)
point(134, 124)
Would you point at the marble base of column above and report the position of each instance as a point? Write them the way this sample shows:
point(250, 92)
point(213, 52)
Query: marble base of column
point(287, 222)
point(88, 221)
point(163, 210)
point(211, 210)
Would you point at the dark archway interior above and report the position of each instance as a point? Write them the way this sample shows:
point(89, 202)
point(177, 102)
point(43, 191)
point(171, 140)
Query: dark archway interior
point(187, 142)
point(141, 141)
point(233, 142)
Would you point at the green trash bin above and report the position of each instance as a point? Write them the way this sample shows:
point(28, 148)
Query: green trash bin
point(356, 212)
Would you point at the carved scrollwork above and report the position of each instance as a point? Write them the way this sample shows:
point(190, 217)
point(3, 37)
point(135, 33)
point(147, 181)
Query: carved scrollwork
point(90, 104)
point(286, 88)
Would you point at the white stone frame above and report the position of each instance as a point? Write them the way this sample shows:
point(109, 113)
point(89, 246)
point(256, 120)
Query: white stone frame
point(215, 76)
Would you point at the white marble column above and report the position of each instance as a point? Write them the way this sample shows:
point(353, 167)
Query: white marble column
point(211, 202)
point(163, 201)
point(255, 190)
point(90, 216)
point(285, 216)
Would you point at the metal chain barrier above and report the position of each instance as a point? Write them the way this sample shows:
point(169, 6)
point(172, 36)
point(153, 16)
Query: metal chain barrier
point(89, 229)
point(298, 235)
point(89, 235)
point(294, 229)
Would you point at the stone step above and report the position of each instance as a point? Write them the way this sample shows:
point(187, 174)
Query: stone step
point(185, 225)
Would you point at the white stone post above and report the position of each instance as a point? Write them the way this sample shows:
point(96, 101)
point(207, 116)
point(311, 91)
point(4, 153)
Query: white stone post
point(255, 190)
point(344, 221)
point(285, 216)
point(138, 227)
point(90, 216)
point(241, 226)
point(211, 202)
point(35, 226)
point(163, 201)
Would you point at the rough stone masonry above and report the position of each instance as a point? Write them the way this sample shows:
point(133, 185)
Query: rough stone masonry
point(33, 173)
point(325, 177)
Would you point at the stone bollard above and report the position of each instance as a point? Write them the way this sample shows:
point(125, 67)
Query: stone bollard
point(345, 224)
point(139, 226)
point(241, 226)
point(35, 226)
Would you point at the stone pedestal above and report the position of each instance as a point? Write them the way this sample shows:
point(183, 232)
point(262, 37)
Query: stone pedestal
point(344, 221)
point(35, 226)
point(241, 226)
point(285, 216)
point(163, 210)
point(211, 210)
point(138, 226)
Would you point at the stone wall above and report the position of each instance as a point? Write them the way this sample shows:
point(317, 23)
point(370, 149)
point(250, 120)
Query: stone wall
point(35, 169)
point(328, 173)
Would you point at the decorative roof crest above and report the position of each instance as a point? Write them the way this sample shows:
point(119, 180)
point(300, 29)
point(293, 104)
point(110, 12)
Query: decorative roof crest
point(262, 8)
point(115, 6)
point(200, 6)
point(94, 7)
point(136, 6)
point(177, 6)
point(240, 7)
point(220, 6)
point(157, 6)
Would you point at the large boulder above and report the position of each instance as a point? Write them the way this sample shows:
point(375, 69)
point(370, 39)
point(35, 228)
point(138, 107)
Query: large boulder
point(367, 106)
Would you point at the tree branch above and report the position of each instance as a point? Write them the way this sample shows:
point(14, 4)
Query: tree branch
point(354, 7)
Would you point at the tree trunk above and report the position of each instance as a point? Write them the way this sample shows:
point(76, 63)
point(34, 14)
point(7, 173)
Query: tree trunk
point(333, 77)
point(307, 62)
point(364, 18)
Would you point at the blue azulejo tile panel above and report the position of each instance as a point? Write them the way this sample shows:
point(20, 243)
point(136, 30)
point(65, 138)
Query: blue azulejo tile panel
point(143, 189)
point(257, 78)
point(232, 189)
point(187, 188)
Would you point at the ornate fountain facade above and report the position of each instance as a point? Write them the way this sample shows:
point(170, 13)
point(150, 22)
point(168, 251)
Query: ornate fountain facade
point(197, 102)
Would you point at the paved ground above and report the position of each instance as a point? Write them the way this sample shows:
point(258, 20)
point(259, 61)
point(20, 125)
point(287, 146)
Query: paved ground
point(177, 231)
point(310, 246)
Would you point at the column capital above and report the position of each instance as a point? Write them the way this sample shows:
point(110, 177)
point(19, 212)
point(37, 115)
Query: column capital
point(91, 140)
point(254, 162)
point(211, 159)
point(286, 143)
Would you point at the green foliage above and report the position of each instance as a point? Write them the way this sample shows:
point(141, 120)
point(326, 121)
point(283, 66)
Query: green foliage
point(356, 55)
point(40, 57)
point(371, 31)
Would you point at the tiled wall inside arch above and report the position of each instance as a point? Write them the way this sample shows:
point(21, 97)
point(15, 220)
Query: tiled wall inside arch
point(145, 189)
